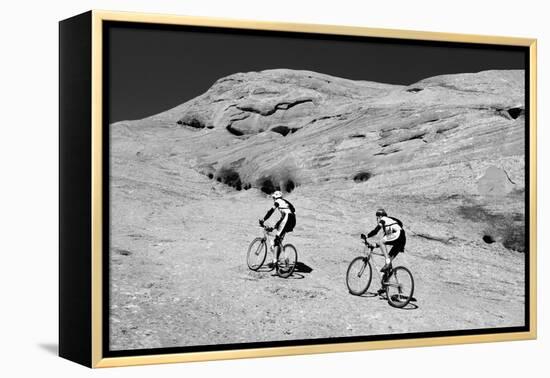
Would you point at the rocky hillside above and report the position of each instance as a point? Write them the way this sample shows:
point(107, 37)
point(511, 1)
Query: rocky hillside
point(448, 136)
point(445, 155)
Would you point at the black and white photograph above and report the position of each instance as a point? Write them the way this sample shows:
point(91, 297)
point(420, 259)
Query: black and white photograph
point(272, 188)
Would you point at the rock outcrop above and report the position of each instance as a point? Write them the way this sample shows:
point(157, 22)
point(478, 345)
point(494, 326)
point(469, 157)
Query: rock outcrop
point(450, 136)
point(294, 128)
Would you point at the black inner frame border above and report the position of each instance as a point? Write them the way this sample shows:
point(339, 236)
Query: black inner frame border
point(106, 352)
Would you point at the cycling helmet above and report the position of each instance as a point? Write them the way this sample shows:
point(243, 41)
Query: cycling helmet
point(381, 213)
point(277, 194)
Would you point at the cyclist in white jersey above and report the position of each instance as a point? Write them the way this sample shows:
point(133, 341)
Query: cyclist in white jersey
point(394, 235)
point(285, 224)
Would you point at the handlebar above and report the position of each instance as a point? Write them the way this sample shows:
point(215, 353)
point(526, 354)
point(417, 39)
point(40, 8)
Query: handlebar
point(262, 225)
point(369, 245)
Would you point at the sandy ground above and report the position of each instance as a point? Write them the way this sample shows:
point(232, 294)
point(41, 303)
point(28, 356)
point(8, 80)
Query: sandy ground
point(179, 275)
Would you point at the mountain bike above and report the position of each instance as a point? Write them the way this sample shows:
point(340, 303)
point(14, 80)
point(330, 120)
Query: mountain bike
point(397, 282)
point(257, 252)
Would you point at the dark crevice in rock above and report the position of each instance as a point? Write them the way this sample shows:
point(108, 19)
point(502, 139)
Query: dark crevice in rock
point(288, 105)
point(488, 239)
point(362, 176)
point(279, 106)
point(357, 136)
point(234, 131)
point(419, 136)
point(387, 152)
point(401, 138)
point(230, 177)
point(511, 113)
point(455, 88)
point(192, 122)
point(508, 176)
point(515, 112)
point(441, 239)
point(320, 79)
point(123, 252)
point(337, 116)
point(230, 127)
point(244, 116)
point(415, 90)
point(262, 91)
point(446, 127)
point(224, 79)
point(283, 130)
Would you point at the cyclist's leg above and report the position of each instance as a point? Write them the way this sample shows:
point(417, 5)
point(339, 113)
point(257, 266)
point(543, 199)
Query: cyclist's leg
point(392, 254)
point(279, 234)
point(278, 245)
point(397, 246)
point(391, 240)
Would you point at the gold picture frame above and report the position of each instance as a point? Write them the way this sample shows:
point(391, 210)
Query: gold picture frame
point(82, 264)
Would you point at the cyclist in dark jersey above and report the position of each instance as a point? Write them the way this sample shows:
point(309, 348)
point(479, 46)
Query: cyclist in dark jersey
point(394, 236)
point(285, 224)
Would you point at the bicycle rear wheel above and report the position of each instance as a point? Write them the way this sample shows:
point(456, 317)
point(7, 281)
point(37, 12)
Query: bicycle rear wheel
point(287, 261)
point(400, 287)
point(257, 251)
point(359, 275)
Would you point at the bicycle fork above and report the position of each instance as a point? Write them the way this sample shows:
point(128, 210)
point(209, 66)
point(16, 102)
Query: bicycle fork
point(366, 262)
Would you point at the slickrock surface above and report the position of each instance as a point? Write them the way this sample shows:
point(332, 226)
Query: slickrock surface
point(445, 155)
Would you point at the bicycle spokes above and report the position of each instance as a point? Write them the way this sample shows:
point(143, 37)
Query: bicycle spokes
point(256, 254)
point(362, 270)
point(400, 287)
point(259, 249)
point(358, 276)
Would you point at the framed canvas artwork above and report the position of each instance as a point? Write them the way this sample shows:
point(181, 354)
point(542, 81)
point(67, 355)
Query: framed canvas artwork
point(233, 189)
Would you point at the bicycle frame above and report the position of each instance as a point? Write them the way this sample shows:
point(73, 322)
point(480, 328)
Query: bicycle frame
point(268, 235)
point(369, 251)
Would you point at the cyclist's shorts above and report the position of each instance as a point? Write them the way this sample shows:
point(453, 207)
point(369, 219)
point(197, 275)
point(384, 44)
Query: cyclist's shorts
point(290, 223)
point(398, 244)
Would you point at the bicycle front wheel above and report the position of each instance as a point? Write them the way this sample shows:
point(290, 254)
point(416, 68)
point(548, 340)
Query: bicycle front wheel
point(400, 287)
point(359, 275)
point(287, 261)
point(257, 252)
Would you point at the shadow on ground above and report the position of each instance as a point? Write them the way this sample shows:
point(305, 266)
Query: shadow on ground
point(302, 268)
point(50, 348)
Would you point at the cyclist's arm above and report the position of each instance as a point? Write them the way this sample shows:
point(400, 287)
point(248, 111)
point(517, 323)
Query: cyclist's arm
point(374, 231)
point(269, 212)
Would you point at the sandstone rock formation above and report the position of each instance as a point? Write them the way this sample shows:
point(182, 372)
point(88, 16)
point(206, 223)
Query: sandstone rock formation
point(289, 128)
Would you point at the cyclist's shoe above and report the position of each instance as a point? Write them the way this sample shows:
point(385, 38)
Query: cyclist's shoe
point(381, 291)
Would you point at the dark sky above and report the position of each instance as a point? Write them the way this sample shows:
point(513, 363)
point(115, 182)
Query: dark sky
point(154, 68)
